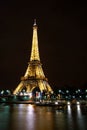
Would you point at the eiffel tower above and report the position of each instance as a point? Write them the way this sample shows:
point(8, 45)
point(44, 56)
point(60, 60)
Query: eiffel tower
point(34, 76)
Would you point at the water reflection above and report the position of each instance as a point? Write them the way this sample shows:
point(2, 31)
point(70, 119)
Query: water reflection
point(78, 110)
point(69, 117)
point(80, 120)
point(69, 110)
point(30, 117)
point(4, 117)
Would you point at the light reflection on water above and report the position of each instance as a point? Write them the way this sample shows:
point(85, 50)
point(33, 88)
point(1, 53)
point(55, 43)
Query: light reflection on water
point(69, 118)
point(30, 117)
point(79, 119)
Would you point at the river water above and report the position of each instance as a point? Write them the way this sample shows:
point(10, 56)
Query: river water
point(31, 117)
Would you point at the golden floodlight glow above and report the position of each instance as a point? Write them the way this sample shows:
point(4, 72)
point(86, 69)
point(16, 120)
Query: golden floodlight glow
point(35, 50)
point(34, 75)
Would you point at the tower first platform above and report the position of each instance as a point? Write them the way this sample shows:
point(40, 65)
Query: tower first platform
point(34, 76)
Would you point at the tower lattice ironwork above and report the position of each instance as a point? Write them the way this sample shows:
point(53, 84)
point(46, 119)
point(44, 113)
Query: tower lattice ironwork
point(34, 75)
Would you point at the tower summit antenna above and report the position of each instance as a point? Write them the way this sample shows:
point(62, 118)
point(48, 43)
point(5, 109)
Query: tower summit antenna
point(35, 22)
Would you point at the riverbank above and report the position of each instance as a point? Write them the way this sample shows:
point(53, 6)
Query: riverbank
point(58, 103)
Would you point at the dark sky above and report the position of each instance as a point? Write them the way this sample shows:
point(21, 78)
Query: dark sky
point(62, 33)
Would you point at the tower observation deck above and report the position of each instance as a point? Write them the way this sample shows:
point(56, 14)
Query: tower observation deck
point(34, 76)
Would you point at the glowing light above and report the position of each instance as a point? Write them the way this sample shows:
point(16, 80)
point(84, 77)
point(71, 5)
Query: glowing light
point(73, 96)
point(66, 96)
point(80, 96)
point(30, 95)
point(78, 90)
point(60, 91)
point(67, 91)
point(56, 103)
point(68, 103)
point(37, 94)
point(35, 50)
point(2, 92)
point(78, 103)
point(21, 94)
point(25, 93)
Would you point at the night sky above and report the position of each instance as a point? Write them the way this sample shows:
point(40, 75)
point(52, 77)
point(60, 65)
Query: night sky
point(62, 36)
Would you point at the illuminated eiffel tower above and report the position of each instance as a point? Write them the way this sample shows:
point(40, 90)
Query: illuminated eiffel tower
point(34, 76)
